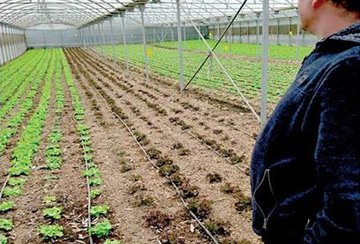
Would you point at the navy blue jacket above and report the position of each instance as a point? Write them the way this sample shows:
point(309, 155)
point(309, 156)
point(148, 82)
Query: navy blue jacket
point(305, 168)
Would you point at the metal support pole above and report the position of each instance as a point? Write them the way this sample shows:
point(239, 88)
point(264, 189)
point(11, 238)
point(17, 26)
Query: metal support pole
point(218, 29)
point(172, 33)
point(278, 32)
point(125, 42)
point(2, 54)
point(11, 42)
point(181, 63)
point(265, 57)
point(298, 38)
point(8, 51)
point(185, 34)
point(112, 38)
point(44, 40)
point(103, 37)
point(142, 9)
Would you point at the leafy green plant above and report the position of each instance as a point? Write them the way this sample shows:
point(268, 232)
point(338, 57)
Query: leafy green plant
point(92, 172)
point(48, 200)
point(3, 239)
point(95, 181)
point(101, 229)
point(6, 224)
point(51, 231)
point(99, 210)
point(53, 213)
point(94, 193)
point(6, 206)
point(16, 181)
point(112, 242)
point(12, 191)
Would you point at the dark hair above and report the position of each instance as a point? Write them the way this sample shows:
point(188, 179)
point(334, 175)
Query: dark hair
point(349, 5)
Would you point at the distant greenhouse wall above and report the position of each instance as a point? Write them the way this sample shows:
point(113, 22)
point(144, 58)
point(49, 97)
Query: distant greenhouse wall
point(12, 43)
point(282, 31)
point(52, 38)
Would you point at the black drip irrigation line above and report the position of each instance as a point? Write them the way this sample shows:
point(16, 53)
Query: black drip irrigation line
point(213, 239)
point(216, 45)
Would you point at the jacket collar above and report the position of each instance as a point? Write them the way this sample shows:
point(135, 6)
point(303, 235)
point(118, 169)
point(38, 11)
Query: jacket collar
point(349, 36)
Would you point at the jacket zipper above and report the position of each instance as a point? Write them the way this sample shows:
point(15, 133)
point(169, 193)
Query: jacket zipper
point(266, 218)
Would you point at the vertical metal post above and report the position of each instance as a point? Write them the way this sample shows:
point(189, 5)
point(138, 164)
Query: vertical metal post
point(298, 38)
point(61, 38)
point(112, 38)
point(181, 63)
point(265, 57)
point(11, 55)
point(103, 37)
point(218, 29)
point(185, 33)
point(44, 40)
point(2, 54)
point(290, 43)
point(12, 50)
point(142, 9)
point(124, 41)
point(278, 32)
point(172, 32)
point(7, 48)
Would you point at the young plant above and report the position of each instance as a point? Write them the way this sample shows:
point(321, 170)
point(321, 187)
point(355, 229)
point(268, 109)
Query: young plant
point(52, 213)
point(16, 182)
point(51, 231)
point(6, 206)
point(6, 224)
point(48, 200)
point(3, 239)
point(94, 193)
point(101, 229)
point(12, 191)
point(99, 210)
point(110, 242)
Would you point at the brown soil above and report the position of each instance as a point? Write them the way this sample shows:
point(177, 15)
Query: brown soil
point(149, 109)
point(201, 140)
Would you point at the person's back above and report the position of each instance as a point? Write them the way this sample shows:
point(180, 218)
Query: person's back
point(306, 163)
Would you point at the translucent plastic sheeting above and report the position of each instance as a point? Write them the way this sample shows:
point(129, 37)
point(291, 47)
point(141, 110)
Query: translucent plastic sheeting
point(76, 13)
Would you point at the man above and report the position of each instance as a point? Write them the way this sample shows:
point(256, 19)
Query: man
point(306, 162)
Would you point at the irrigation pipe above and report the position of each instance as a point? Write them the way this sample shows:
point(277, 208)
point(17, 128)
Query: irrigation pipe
point(213, 239)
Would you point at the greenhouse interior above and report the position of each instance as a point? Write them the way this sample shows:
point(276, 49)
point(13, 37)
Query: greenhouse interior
point(133, 121)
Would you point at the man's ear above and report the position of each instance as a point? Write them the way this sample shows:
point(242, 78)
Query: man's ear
point(317, 3)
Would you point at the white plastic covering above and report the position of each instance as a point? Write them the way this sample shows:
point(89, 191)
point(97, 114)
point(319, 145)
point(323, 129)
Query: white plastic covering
point(76, 13)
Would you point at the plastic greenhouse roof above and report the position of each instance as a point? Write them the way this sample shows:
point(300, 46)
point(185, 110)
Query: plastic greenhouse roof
point(76, 13)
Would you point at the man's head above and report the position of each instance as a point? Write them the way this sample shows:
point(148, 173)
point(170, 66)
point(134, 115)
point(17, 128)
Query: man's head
point(325, 17)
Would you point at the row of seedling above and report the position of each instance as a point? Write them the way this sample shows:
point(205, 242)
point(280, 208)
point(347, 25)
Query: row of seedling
point(52, 211)
point(25, 106)
point(98, 213)
point(26, 147)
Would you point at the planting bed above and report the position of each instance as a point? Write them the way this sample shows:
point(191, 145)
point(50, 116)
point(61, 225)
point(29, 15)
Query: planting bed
point(108, 157)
